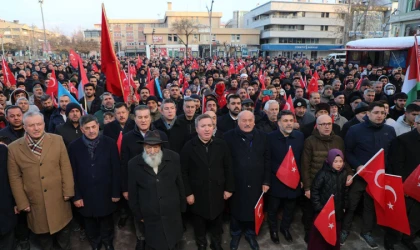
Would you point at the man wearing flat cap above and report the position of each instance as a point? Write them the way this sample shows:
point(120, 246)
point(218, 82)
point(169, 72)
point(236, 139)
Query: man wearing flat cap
point(156, 193)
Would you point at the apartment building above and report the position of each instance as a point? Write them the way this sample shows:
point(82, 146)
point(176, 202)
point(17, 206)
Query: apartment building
point(157, 37)
point(300, 27)
point(405, 20)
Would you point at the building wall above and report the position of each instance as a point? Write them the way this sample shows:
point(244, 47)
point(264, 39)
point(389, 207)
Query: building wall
point(406, 22)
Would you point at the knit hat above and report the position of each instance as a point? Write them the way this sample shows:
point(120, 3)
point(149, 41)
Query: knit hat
point(361, 107)
point(152, 98)
point(72, 106)
point(300, 102)
point(332, 154)
point(338, 94)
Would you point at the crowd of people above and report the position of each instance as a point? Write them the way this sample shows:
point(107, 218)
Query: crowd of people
point(200, 151)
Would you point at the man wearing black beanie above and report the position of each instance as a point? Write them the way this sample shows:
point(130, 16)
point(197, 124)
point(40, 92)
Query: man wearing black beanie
point(70, 130)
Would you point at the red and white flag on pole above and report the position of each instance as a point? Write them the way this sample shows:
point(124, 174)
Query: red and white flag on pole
point(325, 222)
point(393, 214)
point(412, 184)
point(259, 213)
point(8, 75)
point(372, 172)
point(288, 171)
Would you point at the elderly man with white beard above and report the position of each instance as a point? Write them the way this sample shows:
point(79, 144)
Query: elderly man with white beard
point(157, 195)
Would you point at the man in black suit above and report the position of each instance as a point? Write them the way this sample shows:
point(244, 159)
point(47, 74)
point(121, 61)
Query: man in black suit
point(230, 120)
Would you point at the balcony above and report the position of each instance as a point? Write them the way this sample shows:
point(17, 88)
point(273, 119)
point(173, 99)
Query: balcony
point(300, 33)
point(296, 20)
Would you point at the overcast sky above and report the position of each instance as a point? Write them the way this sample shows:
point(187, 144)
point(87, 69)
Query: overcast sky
point(70, 15)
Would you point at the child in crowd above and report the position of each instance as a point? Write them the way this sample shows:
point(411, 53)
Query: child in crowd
point(331, 179)
point(108, 117)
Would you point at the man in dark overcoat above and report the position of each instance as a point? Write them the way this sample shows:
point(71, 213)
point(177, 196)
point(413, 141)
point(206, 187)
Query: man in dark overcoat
point(208, 179)
point(97, 177)
point(279, 194)
point(130, 148)
point(156, 193)
point(251, 170)
point(8, 211)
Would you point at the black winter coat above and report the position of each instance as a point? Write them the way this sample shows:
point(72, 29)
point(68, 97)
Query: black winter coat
point(114, 128)
point(347, 126)
point(279, 146)
point(251, 170)
point(94, 107)
point(8, 219)
point(226, 123)
point(207, 175)
point(96, 180)
point(158, 199)
point(55, 120)
point(177, 135)
point(68, 132)
point(130, 147)
point(405, 156)
point(47, 116)
point(11, 134)
point(266, 125)
point(329, 181)
point(188, 124)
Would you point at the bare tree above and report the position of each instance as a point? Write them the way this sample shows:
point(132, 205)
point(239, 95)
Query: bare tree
point(184, 28)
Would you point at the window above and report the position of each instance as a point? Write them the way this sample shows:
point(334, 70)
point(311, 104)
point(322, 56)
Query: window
point(324, 28)
point(117, 34)
point(169, 37)
point(303, 14)
point(128, 25)
point(234, 38)
point(129, 34)
point(322, 14)
point(175, 38)
point(327, 15)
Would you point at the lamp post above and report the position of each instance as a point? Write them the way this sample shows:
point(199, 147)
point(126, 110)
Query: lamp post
point(210, 11)
point(43, 24)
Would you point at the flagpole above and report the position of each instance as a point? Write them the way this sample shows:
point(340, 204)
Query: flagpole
point(367, 163)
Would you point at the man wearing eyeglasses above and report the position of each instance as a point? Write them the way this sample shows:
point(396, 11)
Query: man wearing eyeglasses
point(315, 152)
point(362, 142)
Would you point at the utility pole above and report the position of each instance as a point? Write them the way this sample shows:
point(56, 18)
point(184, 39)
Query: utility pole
point(210, 11)
point(43, 24)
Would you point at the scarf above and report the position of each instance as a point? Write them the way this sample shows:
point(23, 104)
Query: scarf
point(35, 145)
point(91, 144)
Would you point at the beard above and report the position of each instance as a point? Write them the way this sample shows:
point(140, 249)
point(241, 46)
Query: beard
point(153, 160)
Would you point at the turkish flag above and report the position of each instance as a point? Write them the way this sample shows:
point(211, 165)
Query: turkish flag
point(289, 104)
point(149, 76)
point(315, 75)
point(302, 82)
point(394, 214)
point(371, 173)
point(325, 222)
point(259, 213)
point(412, 184)
point(139, 62)
point(261, 78)
point(52, 87)
point(95, 68)
point(194, 65)
point(231, 69)
point(126, 85)
point(313, 86)
point(359, 83)
point(119, 141)
point(151, 87)
point(323, 68)
point(109, 61)
point(288, 172)
point(73, 90)
point(73, 59)
point(8, 75)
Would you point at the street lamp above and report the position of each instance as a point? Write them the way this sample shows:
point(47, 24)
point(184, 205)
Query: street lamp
point(43, 24)
point(210, 11)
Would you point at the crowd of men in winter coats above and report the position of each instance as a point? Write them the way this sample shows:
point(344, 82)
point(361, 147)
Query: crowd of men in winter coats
point(202, 151)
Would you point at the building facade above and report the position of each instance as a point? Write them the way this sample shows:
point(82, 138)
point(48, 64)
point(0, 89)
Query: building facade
point(20, 39)
point(299, 28)
point(406, 19)
point(158, 37)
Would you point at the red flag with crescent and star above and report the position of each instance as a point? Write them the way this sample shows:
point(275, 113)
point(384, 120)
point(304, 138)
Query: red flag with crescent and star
point(8, 75)
point(289, 104)
point(394, 214)
point(288, 171)
point(412, 184)
point(325, 222)
point(73, 58)
point(259, 213)
point(371, 172)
